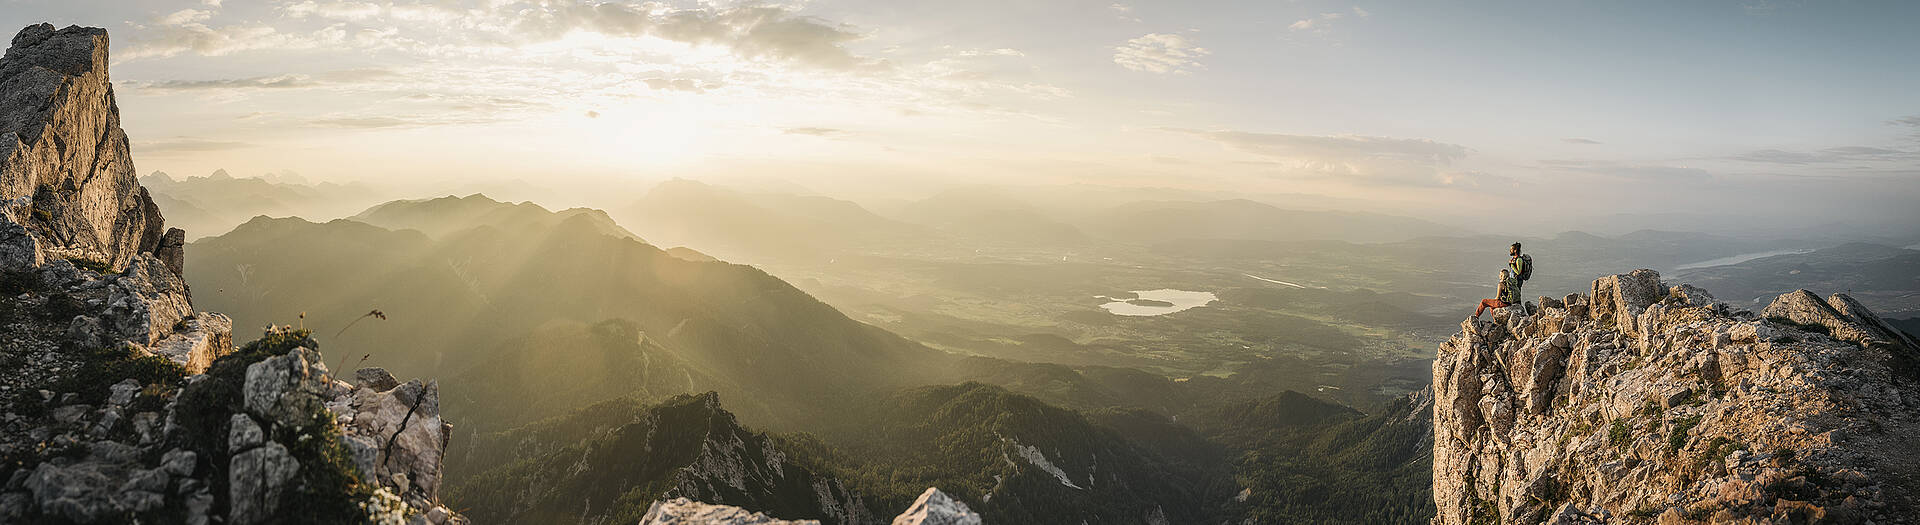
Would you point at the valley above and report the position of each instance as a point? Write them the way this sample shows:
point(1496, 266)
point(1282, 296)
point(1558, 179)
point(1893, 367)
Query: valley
point(834, 262)
point(1167, 347)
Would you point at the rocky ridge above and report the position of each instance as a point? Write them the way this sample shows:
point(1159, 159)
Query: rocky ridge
point(932, 508)
point(122, 404)
point(1641, 402)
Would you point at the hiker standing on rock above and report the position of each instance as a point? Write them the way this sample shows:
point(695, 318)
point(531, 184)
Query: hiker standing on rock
point(1519, 269)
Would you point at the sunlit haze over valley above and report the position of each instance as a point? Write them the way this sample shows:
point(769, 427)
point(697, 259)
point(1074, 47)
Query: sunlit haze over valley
point(854, 262)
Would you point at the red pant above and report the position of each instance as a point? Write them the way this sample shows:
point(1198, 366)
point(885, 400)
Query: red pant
point(1489, 303)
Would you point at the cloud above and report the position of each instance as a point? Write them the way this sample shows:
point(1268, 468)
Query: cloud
point(1323, 22)
point(1000, 52)
point(812, 131)
point(272, 82)
point(345, 76)
point(680, 84)
point(1340, 146)
point(184, 16)
point(1415, 162)
point(1315, 24)
point(361, 122)
point(332, 10)
point(1123, 12)
point(752, 32)
point(1578, 140)
point(755, 32)
point(1160, 53)
point(1911, 122)
point(1627, 170)
point(188, 145)
point(1842, 154)
point(392, 122)
point(199, 39)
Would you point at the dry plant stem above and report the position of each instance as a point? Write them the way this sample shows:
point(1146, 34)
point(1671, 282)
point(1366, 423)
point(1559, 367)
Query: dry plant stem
point(333, 374)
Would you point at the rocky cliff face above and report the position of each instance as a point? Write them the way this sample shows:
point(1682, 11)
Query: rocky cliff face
point(124, 405)
point(1641, 402)
point(66, 172)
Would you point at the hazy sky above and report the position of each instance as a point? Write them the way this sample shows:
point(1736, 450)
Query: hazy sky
point(1476, 108)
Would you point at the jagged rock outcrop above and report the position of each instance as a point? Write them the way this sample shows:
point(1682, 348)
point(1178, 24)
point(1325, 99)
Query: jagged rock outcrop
point(122, 404)
point(74, 221)
point(936, 508)
point(66, 171)
point(592, 464)
point(682, 511)
point(933, 507)
point(392, 432)
point(1642, 403)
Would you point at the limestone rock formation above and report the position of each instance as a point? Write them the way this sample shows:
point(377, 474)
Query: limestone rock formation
point(682, 511)
point(65, 167)
point(1643, 403)
point(936, 508)
point(931, 508)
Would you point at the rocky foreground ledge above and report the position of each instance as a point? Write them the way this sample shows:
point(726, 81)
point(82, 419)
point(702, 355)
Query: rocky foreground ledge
point(121, 404)
point(1646, 403)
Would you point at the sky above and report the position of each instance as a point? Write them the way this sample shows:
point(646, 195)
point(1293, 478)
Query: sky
point(1478, 113)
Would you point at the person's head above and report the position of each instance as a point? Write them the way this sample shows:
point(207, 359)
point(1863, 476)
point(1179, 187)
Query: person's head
point(1505, 274)
point(1514, 250)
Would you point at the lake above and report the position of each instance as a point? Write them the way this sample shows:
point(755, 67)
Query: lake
point(1157, 302)
point(1737, 259)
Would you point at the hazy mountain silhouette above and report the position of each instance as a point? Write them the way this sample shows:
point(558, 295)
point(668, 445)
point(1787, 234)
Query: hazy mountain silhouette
point(456, 300)
point(214, 204)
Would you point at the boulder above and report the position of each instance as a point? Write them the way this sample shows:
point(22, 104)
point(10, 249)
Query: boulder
point(1846, 306)
point(407, 433)
point(145, 302)
point(1690, 295)
point(1621, 298)
point(122, 393)
point(243, 434)
point(257, 481)
point(286, 388)
point(375, 378)
point(197, 341)
point(172, 251)
point(81, 492)
point(1803, 308)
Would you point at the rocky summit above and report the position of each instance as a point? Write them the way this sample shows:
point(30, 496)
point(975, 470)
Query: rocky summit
point(66, 172)
point(124, 405)
point(1641, 402)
